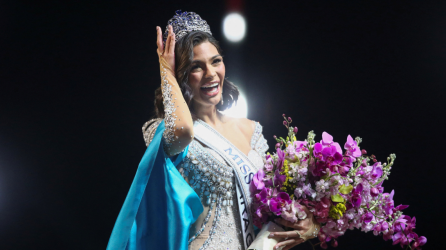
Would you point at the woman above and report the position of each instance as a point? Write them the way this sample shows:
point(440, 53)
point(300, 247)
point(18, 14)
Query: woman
point(199, 162)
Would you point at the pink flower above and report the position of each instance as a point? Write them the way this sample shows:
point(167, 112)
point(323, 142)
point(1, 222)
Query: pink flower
point(277, 203)
point(352, 147)
point(418, 242)
point(327, 141)
point(269, 163)
point(257, 181)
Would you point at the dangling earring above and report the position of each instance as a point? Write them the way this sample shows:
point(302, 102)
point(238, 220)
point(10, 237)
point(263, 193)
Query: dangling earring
point(221, 101)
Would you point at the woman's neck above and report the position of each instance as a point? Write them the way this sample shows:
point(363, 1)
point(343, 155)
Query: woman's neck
point(208, 114)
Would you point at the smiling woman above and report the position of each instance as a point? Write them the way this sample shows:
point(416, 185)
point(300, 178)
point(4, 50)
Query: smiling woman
point(191, 190)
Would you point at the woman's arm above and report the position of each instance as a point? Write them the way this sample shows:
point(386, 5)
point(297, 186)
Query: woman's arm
point(177, 117)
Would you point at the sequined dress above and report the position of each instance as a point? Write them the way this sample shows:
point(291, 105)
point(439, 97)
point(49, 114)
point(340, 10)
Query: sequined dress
point(219, 226)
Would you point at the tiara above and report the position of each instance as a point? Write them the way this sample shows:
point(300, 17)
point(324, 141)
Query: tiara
point(185, 22)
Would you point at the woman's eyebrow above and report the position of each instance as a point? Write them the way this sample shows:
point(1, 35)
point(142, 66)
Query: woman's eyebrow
point(212, 58)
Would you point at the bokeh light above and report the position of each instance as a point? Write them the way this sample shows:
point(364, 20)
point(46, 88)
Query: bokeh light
point(240, 110)
point(234, 27)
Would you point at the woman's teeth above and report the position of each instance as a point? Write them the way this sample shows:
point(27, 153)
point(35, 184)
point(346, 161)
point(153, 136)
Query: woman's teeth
point(210, 90)
point(210, 86)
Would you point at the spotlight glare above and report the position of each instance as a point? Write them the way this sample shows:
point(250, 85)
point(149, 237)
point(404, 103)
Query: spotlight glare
point(240, 110)
point(234, 27)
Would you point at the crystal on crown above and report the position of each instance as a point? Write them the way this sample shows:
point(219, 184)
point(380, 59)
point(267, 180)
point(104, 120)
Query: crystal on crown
point(185, 22)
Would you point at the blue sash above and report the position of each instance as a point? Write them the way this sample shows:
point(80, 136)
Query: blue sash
point(160, 206)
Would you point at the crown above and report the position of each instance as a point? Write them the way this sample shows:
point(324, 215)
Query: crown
point(185, 22)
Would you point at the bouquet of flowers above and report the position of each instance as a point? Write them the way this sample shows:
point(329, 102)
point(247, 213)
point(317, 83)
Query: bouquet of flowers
point(343, 189)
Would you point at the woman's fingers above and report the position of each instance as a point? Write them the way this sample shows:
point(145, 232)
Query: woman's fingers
point(283, 222)
point(286, 243)
point(287, 234)
point(159, 40)
point(297, 242)
point(172, 43)
point(168, 41)
point(288, 223)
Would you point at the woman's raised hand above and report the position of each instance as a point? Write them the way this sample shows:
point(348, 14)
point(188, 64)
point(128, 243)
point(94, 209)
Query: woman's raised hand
point(167, 52)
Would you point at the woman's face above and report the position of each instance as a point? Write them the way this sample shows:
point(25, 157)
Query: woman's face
point(207, 75)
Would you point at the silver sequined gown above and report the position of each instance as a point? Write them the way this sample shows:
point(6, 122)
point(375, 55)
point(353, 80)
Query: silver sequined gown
point(219, 228)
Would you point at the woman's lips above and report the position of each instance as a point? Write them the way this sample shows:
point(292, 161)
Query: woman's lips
point(211, 91)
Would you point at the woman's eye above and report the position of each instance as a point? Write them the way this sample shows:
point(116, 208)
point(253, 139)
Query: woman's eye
point(195, 67)
point(216, 61)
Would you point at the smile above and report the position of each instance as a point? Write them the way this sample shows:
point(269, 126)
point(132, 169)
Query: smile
point(211, 89)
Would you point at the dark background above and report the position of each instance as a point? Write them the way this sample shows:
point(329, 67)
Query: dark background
point(78, 79)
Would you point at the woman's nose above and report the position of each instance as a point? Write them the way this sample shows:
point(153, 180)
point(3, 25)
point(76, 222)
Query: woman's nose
point(210, 72)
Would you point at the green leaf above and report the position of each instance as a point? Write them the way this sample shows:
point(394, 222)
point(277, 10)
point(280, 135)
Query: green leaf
point(337, 198)
point(345, 190)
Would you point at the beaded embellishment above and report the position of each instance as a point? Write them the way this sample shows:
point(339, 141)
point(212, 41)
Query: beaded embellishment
point(213, 182)
point(169, 109)
point(149, 129)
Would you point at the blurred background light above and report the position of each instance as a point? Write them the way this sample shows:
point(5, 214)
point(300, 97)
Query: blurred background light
point(234, 27)
point(240, 110)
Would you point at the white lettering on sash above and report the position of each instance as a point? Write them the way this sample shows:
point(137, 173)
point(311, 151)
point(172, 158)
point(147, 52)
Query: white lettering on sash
point(244, 168)
point(249, 238)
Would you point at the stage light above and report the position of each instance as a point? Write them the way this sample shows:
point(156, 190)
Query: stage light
point(234, 27)
point(240, 110)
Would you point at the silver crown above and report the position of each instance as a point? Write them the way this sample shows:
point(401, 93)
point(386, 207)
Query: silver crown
point(185, 22)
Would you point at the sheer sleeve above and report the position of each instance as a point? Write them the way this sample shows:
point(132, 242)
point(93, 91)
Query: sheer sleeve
point(177, 117)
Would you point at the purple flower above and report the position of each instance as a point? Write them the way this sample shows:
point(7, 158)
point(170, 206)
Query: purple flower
point(278, 178)
point(281, 158)
point(368, 217)
point(352, 147)
point(388, 202)
point(418, 242)
point(269, 164)
point(300, 146)
point(320, 169)
point(317, 150)
point(277, 203)
point(257, 181)
point(401, 207)
point(381, 226)
point(374, 192)
point(260, 215)
point(377, 171)
point(331, 156)
point(356, 200)
point(327, 141)
point(356, 196)
point(262, 196)
point(345, 166)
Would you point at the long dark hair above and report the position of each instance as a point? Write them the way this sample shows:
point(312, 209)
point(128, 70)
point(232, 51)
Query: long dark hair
point(184, 54)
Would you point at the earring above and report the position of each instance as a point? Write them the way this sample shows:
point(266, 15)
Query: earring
point(221, 98)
